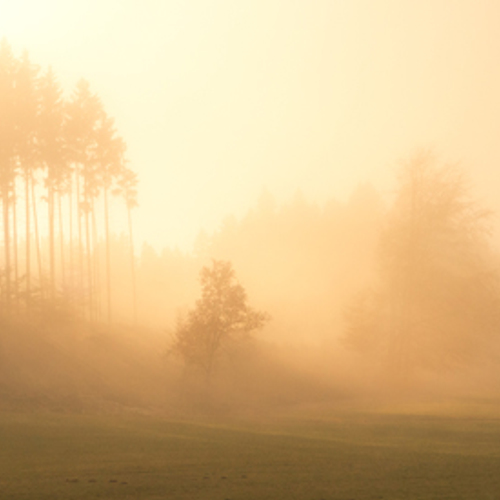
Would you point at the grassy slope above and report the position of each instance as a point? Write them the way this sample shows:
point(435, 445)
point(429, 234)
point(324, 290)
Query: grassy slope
point(355, 456)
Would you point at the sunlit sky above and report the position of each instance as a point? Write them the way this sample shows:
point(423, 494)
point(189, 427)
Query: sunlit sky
point(220, 99)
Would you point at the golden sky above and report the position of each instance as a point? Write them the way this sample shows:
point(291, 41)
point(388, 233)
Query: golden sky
point(219, 99)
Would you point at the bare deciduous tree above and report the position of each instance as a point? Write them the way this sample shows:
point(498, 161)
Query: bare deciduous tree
point(438, 296)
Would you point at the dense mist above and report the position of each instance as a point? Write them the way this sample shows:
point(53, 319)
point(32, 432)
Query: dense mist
point(365, 301)
point(249, 249)
point(337, 263)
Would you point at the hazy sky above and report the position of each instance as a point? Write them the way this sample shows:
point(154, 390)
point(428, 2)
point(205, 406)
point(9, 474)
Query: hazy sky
point(218, 99)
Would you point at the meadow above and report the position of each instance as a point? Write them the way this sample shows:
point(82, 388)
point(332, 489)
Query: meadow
point(349, 455)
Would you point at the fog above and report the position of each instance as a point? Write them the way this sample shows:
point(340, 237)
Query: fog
point(248, 210)
point(368, 302)
point(216, 102)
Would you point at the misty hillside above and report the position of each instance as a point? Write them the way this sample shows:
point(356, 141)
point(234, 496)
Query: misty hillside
point(299, 261)
point(296, 302)
point(303, 264)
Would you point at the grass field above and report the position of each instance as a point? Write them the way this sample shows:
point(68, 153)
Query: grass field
point(352, 456)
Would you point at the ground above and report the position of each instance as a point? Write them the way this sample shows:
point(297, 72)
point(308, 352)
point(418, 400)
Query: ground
point(348, 455)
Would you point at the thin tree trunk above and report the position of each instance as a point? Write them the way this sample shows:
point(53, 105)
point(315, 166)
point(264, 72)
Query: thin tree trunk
point(28, 237)
point(61, 241)
point(96, 267)
point(52, 263)
point(80, 238)
point(5, 200)
point(2, 280)
point(89, 266)
point(108, 255)
point(14, 250)
point(132, 264)
point(71, 236)
point(37, 240)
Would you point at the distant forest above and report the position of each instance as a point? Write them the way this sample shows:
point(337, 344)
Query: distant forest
point(370, 288)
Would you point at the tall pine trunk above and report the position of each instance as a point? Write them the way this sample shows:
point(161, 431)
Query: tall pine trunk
point(52, 260)
point(71, 239)
point(14, 250)
point(81, 285)
point(6, 232)
point(108, 255)
point(61, 241)
point(28, 236)
point(89, 265)
point(96, 266)
point(132, 264)
point(37, 241)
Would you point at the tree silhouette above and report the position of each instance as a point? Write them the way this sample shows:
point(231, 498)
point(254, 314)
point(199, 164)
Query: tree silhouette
point(127, 188)
point(220, 316)
point(439, 294)
point(28, 93)
point(8, 149)
point(84, 116)
point(53, 156)
point(52, 149)
point(110, 156)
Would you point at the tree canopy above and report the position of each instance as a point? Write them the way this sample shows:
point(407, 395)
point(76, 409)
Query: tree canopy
point(65, 156)
point(437, 299)
point(222, 315)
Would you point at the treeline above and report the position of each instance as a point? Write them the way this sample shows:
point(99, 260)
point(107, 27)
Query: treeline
point(399, 287)
point(298, 260)
point(434, 304)
point(408, 284)
point(61, 163)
